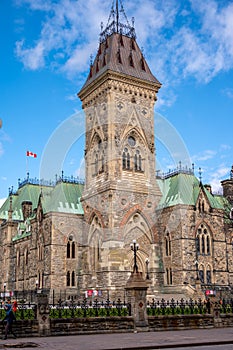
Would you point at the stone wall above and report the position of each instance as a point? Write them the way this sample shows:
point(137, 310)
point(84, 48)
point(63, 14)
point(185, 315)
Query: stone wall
point(96, 325)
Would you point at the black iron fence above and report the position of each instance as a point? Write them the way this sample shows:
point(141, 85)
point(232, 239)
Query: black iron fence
point(177, 307)
point(96, 308)
point(86, 308)
point(25, 311)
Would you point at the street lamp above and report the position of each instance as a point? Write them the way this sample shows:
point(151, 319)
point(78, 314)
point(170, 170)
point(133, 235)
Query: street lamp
point(37, 285)
point(134, 247)
point(4, 294)
point(147, 268)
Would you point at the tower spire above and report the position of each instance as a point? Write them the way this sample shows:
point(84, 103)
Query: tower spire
point(117, 23)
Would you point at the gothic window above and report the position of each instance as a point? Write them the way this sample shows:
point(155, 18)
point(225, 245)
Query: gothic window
point(201, 274)
point(18, 258)
point(126, 159)
point(131, 141)
point(102, 162)
point(168, 245)
point(203, 206)
point(73, 250)
point(208, 245)
point(203, 241)
point(131, 156)
point(96, 164)
point(26, 256)
point(68, 279)
point(137, 161)
point(73, 279)
point(203, 244)
point(169, 276)
point(208, 276)
point(68, 250)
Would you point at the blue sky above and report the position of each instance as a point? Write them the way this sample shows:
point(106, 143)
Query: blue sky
point(46, 48)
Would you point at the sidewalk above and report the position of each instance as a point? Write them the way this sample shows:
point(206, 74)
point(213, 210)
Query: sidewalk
point(120, 341)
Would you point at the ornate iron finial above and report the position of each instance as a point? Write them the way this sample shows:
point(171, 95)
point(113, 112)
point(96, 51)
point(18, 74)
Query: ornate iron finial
point(133, 21)
point(200, 174)
point(117, 23)
point(91, 60)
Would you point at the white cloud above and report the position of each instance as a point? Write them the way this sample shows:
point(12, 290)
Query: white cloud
point(228, 92)
point(203, 156)
point(32, 58)
point(216, 176)
point(2, 200)
point(185, 41)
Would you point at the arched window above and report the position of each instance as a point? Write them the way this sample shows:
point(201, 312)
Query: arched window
point(201, 274)
point(96, 164)
point(203, 241)
point(137, 161)
point(26, 256)
point(102, 162)
point(68, 250)
point(168, 244)
point(126, 159)
point(68, 279)
point(73, 250)
point(73, 279)
point(18, 258)
point(169, 276)
point(208, 275)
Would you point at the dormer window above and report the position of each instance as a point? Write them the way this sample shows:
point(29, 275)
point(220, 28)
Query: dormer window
point(131, 60)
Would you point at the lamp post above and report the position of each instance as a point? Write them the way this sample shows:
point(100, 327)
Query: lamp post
point(147, 268)
point(4, 294)
point(134, 247)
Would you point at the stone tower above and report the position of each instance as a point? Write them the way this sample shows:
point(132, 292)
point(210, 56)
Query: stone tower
point(121, 193)
point(228, 187)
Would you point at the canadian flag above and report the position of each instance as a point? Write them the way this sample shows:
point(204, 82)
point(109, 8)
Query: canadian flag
point(31, 154)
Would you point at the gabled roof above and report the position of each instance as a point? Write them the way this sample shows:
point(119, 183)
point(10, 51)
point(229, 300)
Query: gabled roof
point(185, 189)
point(28, 192)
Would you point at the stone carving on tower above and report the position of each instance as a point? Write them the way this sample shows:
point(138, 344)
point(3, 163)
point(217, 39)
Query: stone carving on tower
point(121, 192)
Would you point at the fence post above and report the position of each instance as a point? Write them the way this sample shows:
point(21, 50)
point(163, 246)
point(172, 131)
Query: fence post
point(136, 292)
point(43, 315)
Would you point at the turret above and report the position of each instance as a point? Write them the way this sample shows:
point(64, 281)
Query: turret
point(228, 187)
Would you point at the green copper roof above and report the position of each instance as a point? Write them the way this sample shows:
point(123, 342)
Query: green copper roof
point(184, 189)
point(28, 192)
point(64, 197)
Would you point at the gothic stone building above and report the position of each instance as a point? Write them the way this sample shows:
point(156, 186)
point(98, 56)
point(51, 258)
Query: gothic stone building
point(72, 237)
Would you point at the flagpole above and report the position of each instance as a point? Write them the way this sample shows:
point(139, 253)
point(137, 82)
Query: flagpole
point(26, 164)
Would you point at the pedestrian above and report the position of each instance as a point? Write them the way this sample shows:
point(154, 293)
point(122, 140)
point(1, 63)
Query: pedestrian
point(9, 319)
